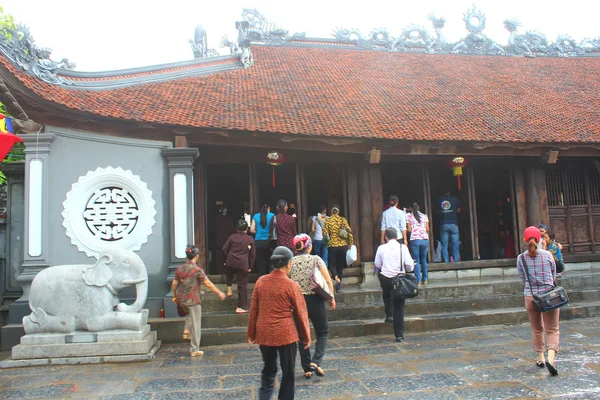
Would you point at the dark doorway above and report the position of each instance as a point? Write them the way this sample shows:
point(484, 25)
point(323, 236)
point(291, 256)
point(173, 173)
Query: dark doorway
point(324, 185)
point(284, 188)
point(495, 221)
point(404, 179)
point(226, 185)
point(442, 180)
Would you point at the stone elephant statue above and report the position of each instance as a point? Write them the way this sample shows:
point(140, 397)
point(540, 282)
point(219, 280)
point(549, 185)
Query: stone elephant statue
point(66, 298)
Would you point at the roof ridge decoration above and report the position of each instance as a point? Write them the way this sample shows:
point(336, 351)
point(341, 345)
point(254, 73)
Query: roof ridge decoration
point(416, 38)
point(21, 49)
point(254, 27)
point(200, 44)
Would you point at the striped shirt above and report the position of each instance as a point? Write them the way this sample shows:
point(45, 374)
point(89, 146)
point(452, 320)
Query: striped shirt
point(542, 272)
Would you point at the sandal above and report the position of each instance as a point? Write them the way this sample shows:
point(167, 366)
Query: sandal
point(318, 370)
point(241, 311)
point(186, 336)
point(540, 364)
point(553, 371)
point(308, 375)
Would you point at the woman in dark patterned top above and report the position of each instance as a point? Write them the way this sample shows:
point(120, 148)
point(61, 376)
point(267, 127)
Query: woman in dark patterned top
point(285, 226)
point(278, 320)
point(541, 277)
point(186, 292)
point(303, 266)
point(338, 245)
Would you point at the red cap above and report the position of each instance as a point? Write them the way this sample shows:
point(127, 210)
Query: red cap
point(532, 232)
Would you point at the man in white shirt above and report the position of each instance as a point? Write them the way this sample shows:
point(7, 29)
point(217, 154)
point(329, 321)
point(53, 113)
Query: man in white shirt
point(394, 218)
point(388, 262)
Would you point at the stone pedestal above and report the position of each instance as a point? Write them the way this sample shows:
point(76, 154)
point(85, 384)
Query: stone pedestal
point(81, 347)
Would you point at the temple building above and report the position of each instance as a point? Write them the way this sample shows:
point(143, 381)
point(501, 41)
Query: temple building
point(143, 157)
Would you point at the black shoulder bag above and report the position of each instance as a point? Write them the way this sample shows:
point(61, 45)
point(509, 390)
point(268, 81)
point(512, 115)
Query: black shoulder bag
point(550, 299)
point(404, 286)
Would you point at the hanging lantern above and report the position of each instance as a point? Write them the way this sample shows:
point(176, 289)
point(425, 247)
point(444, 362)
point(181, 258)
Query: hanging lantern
point(7, 136)
point(457, 164)
point(274, 159)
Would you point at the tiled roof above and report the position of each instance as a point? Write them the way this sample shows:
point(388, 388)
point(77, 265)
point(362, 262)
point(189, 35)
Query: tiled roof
point(367, 94)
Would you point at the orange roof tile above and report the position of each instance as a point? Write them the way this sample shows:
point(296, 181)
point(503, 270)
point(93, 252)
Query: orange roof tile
point(367, 94)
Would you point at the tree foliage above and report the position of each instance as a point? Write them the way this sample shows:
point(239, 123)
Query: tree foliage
point(17, 153)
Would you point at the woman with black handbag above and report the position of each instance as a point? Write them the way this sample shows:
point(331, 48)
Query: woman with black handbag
point(538, 273)
point(391, 260)
point(317, 291)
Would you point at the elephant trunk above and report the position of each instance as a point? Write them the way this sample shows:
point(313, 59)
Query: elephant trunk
point(141, 290)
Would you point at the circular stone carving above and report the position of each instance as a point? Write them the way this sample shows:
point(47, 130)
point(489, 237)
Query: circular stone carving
point(108, 207)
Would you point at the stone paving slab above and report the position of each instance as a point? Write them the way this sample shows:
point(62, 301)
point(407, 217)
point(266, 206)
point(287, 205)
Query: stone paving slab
point(470, 363)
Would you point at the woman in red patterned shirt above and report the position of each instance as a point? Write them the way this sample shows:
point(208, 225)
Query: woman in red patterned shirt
point(541, 277)
point(284, 225)
point(277, 306)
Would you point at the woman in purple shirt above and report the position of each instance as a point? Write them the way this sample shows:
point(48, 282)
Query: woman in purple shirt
point(541, 277)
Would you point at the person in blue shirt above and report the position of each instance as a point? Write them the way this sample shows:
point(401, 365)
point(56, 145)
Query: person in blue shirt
point(260, 227)
point(549, 239)
point(449, 208)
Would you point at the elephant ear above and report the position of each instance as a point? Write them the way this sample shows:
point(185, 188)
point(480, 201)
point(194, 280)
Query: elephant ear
point(98, 274)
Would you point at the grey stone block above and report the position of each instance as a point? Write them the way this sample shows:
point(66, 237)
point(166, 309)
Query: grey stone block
point(10, 363)
point(595, 265)
point(85, 349)
point(492, 272)
point(468, 273)
point(439, 275)
point(134, 357)
point(116, 335)
point(583, 266)
point(75, 360)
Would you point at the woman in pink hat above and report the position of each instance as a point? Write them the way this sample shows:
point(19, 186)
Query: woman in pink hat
point(541, 277)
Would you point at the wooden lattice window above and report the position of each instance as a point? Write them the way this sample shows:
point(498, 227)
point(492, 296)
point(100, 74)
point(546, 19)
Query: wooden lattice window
point(555, 189)
point(575, 187)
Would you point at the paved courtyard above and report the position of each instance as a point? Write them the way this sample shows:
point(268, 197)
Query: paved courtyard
point(472, 363)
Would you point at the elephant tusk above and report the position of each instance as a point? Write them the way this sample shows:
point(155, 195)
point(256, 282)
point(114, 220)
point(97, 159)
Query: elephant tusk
point(133, 281)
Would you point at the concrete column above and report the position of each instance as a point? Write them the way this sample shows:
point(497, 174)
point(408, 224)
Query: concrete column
point(180, 162)
point(35, 257)
point(35, 243)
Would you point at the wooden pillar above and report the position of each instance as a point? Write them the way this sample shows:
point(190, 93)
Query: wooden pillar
point(301, 208)
point(537, 196)
point(473, 213)
point(200, 210)
point(428, 209)
point(352, 212)
point(520, 199)
point(365, 214)
point(253, 189)
point(376, 194)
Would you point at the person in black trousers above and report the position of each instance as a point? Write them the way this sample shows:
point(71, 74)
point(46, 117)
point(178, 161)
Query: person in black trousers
point(303, 267)
point(393, 259)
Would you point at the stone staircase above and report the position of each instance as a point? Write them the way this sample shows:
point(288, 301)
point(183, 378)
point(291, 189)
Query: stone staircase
point(443, 304)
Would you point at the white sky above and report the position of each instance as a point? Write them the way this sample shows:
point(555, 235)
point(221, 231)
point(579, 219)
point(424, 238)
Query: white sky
point(116, 34)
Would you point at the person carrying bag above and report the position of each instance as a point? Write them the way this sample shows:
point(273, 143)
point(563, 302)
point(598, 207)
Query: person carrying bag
point(393, 261)
point(543, 298)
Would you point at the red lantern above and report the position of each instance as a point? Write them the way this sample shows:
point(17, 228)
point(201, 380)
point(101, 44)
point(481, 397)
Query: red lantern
point(457, 164)
point(7, 137)
point(274, 158)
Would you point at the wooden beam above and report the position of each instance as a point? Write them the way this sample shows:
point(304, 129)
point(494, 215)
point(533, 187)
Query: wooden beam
point(352, 194)
point(376, 193)
point(473, 213)
point(521, 203)
point(181, 142)
point(200, 210)
point(365, 214)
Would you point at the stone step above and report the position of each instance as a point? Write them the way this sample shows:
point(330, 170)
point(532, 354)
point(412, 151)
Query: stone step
point(229, 319)
point(479, 288)
point(421, 323)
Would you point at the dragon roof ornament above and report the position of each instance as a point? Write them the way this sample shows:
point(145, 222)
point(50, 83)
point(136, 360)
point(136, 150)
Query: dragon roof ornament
point(21, 49)
point(255, 28)
point(416, 38)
